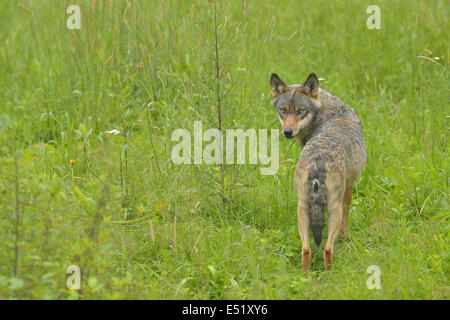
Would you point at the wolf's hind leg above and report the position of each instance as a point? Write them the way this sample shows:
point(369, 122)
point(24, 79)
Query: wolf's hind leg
point(335, 213)
point(347, 200)
point(303, 230)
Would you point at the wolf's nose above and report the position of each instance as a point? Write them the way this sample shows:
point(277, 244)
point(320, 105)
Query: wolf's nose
point(287, 132)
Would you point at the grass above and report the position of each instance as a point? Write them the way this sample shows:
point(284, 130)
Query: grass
point(141, 227)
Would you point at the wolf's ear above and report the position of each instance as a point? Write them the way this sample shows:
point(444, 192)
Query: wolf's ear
point(311, 86)
point(278, 86)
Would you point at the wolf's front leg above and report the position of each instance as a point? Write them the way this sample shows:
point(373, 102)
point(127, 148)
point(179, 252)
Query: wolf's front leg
point(303, 230)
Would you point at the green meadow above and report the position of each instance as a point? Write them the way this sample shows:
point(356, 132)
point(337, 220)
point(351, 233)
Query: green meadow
point(73, 192)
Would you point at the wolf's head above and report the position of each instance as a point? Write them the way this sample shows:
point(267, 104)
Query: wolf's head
point(296, 105)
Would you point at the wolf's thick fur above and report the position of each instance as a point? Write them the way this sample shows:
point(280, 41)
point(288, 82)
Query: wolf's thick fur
point(333, 156)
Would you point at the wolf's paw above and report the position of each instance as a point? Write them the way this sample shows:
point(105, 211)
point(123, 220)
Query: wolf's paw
point(343, 236)
point(306, 259)
point(328, 258)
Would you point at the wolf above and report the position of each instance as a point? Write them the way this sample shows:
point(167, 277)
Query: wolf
point(332, 158)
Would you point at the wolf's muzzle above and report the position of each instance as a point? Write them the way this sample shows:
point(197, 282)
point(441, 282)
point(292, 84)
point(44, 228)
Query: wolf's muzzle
point(287, 132)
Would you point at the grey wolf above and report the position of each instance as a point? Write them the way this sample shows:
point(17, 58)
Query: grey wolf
point(333, 156)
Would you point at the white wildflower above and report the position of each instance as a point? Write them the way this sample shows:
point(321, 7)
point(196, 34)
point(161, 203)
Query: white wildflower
point(113, 131)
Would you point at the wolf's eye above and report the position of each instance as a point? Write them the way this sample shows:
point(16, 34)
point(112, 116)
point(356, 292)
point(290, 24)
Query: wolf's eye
point(283, 109)
point(301, 111)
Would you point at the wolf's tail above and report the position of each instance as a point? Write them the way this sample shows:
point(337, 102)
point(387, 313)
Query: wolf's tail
point(317, 204)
